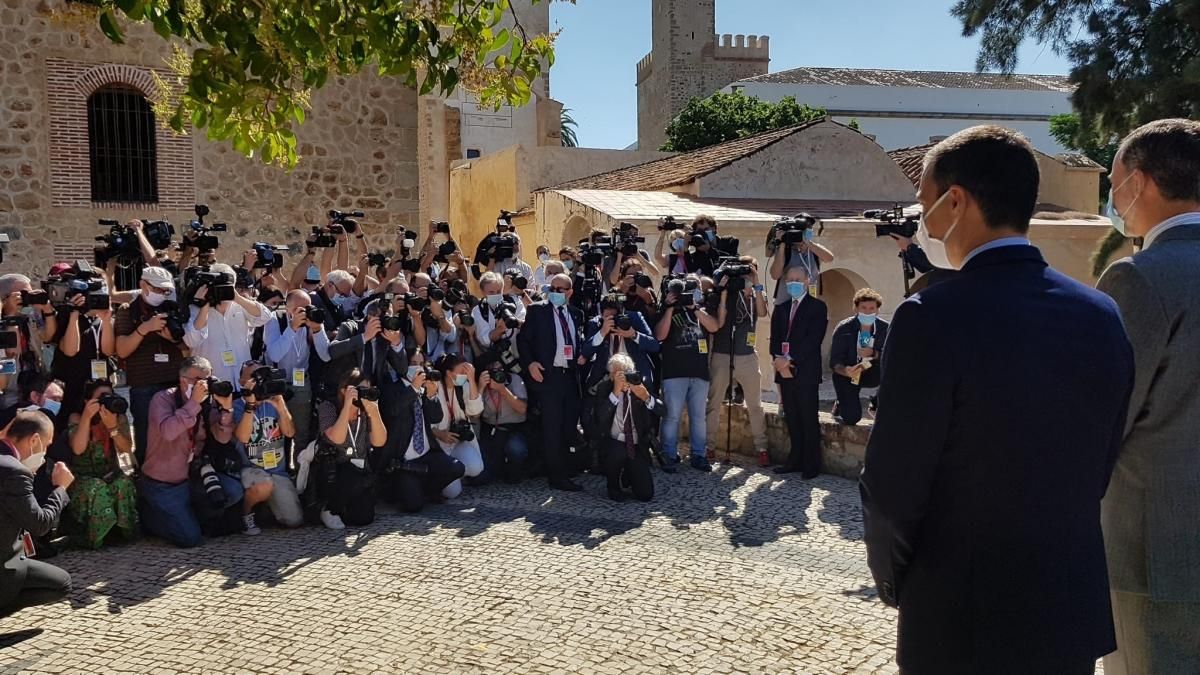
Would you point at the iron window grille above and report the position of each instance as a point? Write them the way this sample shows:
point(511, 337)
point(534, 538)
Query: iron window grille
point(121, 145)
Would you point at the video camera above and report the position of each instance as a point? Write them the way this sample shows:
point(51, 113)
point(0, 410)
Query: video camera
point(796, 229)
point(736, 270)
point(668, 223)
point(343, 222)
point(592, 253)
point(220, 286)
point(268, 382)
point(122, 241)
point(893, 222)
point(268, 256)
point(201, 235)
point(683, 288)
point(80, 279)
point(625, 239)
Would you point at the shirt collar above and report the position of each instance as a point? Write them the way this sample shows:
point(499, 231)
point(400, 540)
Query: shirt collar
point(1188, 218)
point(996, 243)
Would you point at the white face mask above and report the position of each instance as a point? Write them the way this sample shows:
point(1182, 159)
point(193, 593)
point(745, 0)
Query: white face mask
point(935, 250)
point(35, 461)
point(545, 258)
point(187, 393)
point(154, 299)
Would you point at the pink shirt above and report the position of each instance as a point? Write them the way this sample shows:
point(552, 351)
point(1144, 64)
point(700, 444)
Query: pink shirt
point(169, 446)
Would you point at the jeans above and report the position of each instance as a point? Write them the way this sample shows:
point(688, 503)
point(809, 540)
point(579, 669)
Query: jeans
point(139, 407)
point(167, 512)
point(468, 453)
point(678, 391)
point(505, 452)
point(849, 403)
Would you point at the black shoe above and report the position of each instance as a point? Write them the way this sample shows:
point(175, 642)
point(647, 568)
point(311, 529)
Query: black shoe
point(787, 468)
point(670, 465)
point(809, 476)
point(566, 485)
point(700, 463)
point(617, 495)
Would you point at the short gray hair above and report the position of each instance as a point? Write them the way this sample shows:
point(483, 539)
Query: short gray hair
point(339, 277)
point(1168, 152)
point(197, 362)
point(621, 361)
point(9, 283)
point(491, 278)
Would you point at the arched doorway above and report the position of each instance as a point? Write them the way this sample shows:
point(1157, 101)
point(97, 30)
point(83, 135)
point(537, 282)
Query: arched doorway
point(838, 287)
point(576, 228)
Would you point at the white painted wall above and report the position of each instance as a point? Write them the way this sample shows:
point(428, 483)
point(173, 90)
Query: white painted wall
point(896, 132)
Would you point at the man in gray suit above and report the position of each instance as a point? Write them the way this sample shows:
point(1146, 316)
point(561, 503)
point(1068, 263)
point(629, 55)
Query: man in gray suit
point(1151, 513)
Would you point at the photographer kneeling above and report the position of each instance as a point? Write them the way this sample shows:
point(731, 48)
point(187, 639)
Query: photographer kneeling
point(103, 495)
point(460, 401)
point(352, 430)
point(854, 354)
point(626, 416)
point(263, 427)
point(502, 432)
point(614, 331)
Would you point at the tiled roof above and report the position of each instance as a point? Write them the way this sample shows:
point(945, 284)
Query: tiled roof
point(926, 79)
point(685, 168)
point(652, 205)
point(911, 160)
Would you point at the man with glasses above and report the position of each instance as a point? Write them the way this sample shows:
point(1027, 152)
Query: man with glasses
point(548, 345)
point(152, 354)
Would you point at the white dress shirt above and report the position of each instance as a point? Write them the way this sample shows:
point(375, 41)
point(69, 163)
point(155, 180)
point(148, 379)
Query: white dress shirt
point(232, 331)
point(617, 431)
point(289, 350)
point(485, 326)
point(1190, 218)
point(560, 359)
point(411, 453)
point(474, 408)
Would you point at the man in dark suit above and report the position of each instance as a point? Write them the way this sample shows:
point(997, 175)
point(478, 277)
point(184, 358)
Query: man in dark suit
point(603, 338)
point(797, 330)
point(549, 349)
point(25, 582)
point(626, 417)
point(365, 345)
point(854, 354)
point(996, 435)
point(412, 467)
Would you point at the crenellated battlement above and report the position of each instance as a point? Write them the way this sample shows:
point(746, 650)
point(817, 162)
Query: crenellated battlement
point(754, 47)
point(645, 67)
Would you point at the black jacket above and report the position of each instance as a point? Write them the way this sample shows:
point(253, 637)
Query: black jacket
point(397, 413)
point(346, 349)
point(20, 511)
point(843, 348)
point(645, 417)
point(993, 446)
point(537, 341)
point(803, 336)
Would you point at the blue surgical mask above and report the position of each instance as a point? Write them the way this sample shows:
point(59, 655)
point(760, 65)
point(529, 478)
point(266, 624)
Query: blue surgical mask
point(797, 289)
point(678, 245)
point(1118, 221)
point(697, 296)
point(568, 264)
point(866, 319)
point(544, 258)
point(51, 406)
point(460, 380)
point(710, 235)
point(557, 298)
point(495, 300)
point(412, 372)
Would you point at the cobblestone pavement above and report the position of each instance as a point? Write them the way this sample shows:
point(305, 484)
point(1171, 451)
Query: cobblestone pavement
point(735, 571)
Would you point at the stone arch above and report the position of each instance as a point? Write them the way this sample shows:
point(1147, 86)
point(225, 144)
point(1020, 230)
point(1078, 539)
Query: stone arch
point(115, 73)
point(576, 228)
point(837, 290)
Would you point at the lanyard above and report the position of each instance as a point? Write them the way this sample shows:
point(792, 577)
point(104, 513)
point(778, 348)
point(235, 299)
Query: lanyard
point(296, 347)
point(450, 395)
point(354, 434)
point(95, 329)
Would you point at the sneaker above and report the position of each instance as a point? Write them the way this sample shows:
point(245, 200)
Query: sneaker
point(764, 460)
point(332, 521)
point(670, 464)
point(249, 526)
point(701, 463)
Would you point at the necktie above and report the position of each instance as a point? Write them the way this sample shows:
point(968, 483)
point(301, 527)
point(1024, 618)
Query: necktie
point(418, 428)
point(792, 318)
point(628, 424)
point(566, 331)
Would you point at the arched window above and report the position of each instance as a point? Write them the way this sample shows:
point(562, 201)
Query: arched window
point(121, 146)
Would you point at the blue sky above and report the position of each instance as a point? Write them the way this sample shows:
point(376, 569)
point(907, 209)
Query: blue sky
point(602, 41)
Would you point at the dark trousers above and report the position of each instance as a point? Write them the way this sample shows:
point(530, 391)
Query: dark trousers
point(411, 489)
point(1080, 668)
point(848, 399)
point(139, 408)
point(800, 403)
point(636, 469)
point(344, 490)
point(559, 397)
point(44, 584)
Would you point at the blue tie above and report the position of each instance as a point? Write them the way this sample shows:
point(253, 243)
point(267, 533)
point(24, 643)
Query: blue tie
point(418, 428)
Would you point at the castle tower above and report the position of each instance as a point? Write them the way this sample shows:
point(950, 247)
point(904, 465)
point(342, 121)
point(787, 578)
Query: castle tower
point(689, 59)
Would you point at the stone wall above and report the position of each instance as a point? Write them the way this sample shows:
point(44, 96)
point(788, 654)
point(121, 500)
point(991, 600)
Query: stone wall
point(358, 149)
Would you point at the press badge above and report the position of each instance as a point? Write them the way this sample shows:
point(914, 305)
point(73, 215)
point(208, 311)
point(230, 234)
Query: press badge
point(270, 459)
point(8, 366)
point(751, 339)
point(568, 352)
point(702, 345)
point(228, 359)
point(866, 341)
point(814, 289)
point(161, 358)
point(99, 369)
point(27, 544)
point(299, 376)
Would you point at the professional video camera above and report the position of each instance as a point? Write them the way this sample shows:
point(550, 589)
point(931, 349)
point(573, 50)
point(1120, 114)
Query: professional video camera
point(80, 279)
point(201, 236)
point(796, 229)
point(320, 238)
point(668, 223)
point(504, 222)
point(683, 288)
point(121, 242)
point(220, 286)
point(894, 222)
point(268, 256)
point(507, 312)
point(625, 239)
point(592, 253)
point(736, 271)
point(499, 245)
point(343, 222)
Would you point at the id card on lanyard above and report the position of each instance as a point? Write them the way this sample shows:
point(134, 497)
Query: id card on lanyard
point(99, 365)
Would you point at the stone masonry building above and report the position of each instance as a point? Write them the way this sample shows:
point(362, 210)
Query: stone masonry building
point(370, 143)
point(689, 59)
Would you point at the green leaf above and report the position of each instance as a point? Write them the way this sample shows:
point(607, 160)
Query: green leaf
point(501, 39)
point(108, 26)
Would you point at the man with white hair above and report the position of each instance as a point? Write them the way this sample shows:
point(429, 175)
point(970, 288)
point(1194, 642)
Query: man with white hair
point(626, 416)
point(221, 329)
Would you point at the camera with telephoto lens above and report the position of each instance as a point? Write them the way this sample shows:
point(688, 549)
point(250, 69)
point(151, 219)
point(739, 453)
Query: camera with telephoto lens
point(211, 484)
point(113, 404)
point(625, 239)
point(633, 378)
point(344, 221)
point(377, 260)
point(894, 222)
point(795, 229)
point(519, 280)
point(462, 429)
point(504, 353)
point(507, 312)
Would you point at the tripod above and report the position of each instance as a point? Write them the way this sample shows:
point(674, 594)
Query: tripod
point(741, 301)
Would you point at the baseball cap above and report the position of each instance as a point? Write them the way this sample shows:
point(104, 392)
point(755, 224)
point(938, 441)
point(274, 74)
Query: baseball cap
point(158, 278)
point(57, 269)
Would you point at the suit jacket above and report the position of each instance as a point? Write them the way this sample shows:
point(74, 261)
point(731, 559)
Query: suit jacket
point(803, 336)
point(843, 348)
point(1000, 414)
point(1152, 509)
point(645, 417)
point(400, 422)
point(346, 353)
point(537, 341)
point(19, 510)
point(639, 348)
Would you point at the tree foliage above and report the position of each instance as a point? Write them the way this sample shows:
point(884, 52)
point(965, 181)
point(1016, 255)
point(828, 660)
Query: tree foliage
point(244, 71)
point(1133, 60)
point(567, 128)
point(725, 117)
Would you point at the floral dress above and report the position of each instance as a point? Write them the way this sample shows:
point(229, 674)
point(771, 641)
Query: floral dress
point(101, 497)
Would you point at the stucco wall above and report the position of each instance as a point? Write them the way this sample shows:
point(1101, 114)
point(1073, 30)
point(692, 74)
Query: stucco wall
point(358, 151)
point(1075, 188)
point(826, 161)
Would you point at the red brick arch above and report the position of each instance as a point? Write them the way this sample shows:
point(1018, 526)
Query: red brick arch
point(115, 73)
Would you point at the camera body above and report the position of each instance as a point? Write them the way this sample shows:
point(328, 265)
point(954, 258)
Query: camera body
point(462, 429)
point(113, 404)
point(320, 238)
point(344, 221)
point(622, 322)
point(633, 377)
point(507, 312)
point(377, 260)
point(315, 314)
point(893, 222)
point(219, 387)
point(519, 280)
point(498, 374)
point(268, 256)
point(367, 393)
point(795, 229)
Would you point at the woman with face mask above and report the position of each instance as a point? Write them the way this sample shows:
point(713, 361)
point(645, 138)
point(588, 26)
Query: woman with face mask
point(461, 407)
point(676, 259)
point(104, 497)
point(25, 582)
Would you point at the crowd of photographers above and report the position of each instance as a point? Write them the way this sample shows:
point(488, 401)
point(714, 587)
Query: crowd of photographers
point(258, 397)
